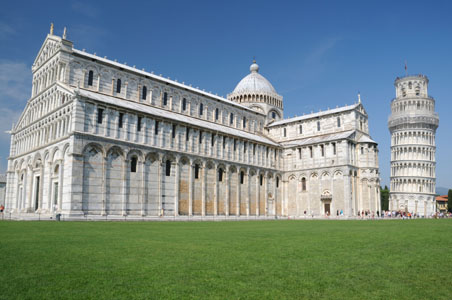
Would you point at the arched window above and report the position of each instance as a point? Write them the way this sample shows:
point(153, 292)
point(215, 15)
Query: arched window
point(242, 176)
point(156, 128)
point(100, 113)
point(184, 104)
point(139, 123)
point(303, 184)
point(231, 119)
point(244, 122)
point(165, 98)
point(220, 174)
point(168, 168)
point(121, 116)
point(133, 165)
point(118, 86)
point(338, 122)
point(217, 113)
point(318, 125)
point(261, 180)
point(196, 171)
point(90, 77)
point(273, 115)
point(277, 182)
point(300, 129)
point(201, 109)
point(144, 92)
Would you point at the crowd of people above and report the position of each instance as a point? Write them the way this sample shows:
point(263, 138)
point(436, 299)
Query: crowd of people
point(367, 214)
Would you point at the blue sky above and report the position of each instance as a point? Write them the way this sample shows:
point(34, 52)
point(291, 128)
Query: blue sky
point(317, 54)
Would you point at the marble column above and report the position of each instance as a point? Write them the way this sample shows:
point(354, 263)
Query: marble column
point(124, 190)
point(215, 196)
point(227, 174)
point(190, 189)
point(104, 185)
point(176, 187)
point(204, 187)
point(143, 187)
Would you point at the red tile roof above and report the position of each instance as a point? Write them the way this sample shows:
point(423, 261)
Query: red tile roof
point(441, 198)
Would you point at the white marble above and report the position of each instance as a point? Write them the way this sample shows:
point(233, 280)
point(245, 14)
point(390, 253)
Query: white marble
point(413, 123)
point(101, 139)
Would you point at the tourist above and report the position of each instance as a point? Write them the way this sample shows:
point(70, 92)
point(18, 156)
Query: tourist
point(2, 208)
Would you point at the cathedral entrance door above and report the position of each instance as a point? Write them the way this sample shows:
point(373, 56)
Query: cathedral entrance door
point(327, 208)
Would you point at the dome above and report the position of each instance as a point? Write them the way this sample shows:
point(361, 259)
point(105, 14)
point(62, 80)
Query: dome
point(254, 83)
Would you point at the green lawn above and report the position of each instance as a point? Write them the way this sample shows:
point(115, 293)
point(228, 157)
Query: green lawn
point(227, 260)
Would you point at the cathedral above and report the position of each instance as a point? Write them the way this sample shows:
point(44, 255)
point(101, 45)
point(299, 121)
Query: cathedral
point(103, 140)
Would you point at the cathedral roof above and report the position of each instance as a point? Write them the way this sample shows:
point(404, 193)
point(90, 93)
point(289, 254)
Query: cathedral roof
point(315, 115)
point(254, 83)
point(320, 139)
point(163, 79)
point(366, 139)
point(174, 116)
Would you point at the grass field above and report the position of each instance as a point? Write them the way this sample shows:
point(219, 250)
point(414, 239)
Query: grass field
point(227, 260)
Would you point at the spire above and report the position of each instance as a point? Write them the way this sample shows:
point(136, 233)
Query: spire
point(359, 97)
point(51, 28)
point(64, 33)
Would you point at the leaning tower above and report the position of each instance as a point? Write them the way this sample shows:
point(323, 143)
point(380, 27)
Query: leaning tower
point(413, 124)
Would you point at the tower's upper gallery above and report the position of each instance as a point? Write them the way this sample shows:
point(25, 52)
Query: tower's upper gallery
point(413, 85)
point(412, 105)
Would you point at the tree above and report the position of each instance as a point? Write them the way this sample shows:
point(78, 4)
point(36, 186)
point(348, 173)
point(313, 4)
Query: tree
point(384, 197)
point(449, 199)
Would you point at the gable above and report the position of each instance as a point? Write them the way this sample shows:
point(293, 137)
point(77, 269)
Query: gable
point(34, 108)
point(50, 46)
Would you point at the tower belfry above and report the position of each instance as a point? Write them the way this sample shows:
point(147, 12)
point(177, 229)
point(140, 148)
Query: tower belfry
point(413, 123)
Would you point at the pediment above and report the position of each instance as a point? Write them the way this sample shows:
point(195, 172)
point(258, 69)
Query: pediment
point(24, 117)
point(50, 46)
